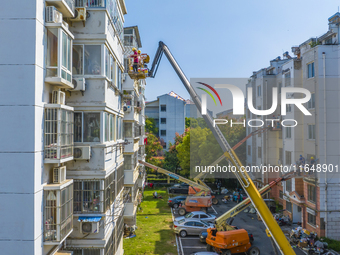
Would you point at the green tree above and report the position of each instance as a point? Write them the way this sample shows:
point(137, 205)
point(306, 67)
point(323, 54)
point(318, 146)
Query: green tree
point(191, 122)
point(153, 149)
point(150, 126)
point(171, 161)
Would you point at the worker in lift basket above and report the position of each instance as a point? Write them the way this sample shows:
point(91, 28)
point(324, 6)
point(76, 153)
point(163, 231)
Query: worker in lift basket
point(135, 60)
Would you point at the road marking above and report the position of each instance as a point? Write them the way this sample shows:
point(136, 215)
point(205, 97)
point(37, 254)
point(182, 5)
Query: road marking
point(214, 209)
point(176, 235)
point(181, 245)
point(187, 238)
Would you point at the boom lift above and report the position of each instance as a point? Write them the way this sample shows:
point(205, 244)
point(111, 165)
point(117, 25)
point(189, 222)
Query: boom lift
point(273, 229)
point(200, 201)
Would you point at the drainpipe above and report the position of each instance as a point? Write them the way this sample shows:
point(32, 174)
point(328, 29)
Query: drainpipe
point(266, 134)
point(325, 137)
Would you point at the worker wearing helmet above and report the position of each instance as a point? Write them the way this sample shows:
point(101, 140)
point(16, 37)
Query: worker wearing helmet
point(135, 60)
point(312, 160)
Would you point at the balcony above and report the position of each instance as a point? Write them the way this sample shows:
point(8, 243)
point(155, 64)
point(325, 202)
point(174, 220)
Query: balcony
point(58, 212)
point(66, 7)
point(58, 133)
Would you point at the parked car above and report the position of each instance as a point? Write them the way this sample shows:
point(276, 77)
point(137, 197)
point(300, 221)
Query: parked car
point(198, 215)
point(203, 235)
point(182, 188)
point(175, 201)
point(186, 227)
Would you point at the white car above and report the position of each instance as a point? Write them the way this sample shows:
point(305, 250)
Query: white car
point(198, 215)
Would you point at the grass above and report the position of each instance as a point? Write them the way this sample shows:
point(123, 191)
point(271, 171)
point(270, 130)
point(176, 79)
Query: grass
point(154, 234)
point(332, 244)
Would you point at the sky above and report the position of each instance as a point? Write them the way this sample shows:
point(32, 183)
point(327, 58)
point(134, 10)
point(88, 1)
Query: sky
point(222, 38)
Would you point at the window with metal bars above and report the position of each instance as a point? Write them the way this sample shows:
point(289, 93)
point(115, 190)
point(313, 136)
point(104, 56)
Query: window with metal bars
point(58, 132)
point(88, 196)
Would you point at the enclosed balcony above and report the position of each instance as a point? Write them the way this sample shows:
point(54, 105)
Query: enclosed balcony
point(66, 7)
point(58, 212)
point(58, 133)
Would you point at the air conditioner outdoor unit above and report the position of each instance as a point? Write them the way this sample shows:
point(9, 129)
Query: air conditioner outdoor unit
point(59, 174)
point(89, 227)
point(58, 97)
point(127, 108)
point(79, 84)
point(81, 152)
point(79, 14)
point(52, 15)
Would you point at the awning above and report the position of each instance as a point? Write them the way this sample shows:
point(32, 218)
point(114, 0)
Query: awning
point(89, 219)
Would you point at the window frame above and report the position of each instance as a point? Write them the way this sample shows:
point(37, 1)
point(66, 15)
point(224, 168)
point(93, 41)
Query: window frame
point(101, 128)
point(311, 102)
point(163, 107)
point(103, 49)
point(311, 193)
point(312, 74)
point(311, 131)
point(163, 132)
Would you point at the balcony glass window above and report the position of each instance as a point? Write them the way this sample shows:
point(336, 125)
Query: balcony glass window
point(119, 78)
point(112, 127)
point(128, 130)
point(78, 60)
point(107, 126)
point(310, 68)
point(58, 213)
point(128, 164)
point(88, 196)
point(120, 179)
point(78, 127)
point(91, 127)
point(92, 64)
point(107, 63)
point(110, 190)
point(58, 133)
point(113, 70)
point(58, 64)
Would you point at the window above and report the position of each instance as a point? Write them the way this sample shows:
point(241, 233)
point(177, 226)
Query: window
point(88, 196)
point(311, 132)
point(113, 70)
point(259, 152)
point(109, 127)
point(77, 60)
point(128, 130)
point(279, 87)
point(204, 216)
point(195, 216)
point(92, 64)
point(288, 132)
point(288, 108)
point(163, 120)
point(109, 187)
point(280, 155)
point(163, 108)
point(311, 219)
point(190, 223)
point(120, 179)
point(249, 150)
point(311, 102)
point(128, 164)
point(58, 133)
point(289, 185)
point(258, 91)
point(199, 224)
point(289, 206)
point(311, 193)
point(163, 132)
point(164, 145)
point(281, 194)
point(119, 128)
point(310, 67)
point(87, 126)
point(287, 79)
point(58, 56)
point(58, 213)
point(119, 78)
point(288, 157)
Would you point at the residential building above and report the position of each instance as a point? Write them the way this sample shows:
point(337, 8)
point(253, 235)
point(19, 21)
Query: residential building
point(169, 112)
point(134, 131)
point(311, 198)
point(63, 170)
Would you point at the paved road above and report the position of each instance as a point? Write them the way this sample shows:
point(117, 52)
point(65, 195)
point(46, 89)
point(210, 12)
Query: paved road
point(247, 221)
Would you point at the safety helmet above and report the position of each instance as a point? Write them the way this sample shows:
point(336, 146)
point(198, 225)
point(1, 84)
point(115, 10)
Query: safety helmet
point(134, 49)
point(311, 157)
point(139, 51)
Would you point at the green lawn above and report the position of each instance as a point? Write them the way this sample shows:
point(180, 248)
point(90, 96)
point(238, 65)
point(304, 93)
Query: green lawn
point(154, 234)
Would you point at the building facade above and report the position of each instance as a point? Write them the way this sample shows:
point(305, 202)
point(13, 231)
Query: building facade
point(66, 89)
point(310, 198)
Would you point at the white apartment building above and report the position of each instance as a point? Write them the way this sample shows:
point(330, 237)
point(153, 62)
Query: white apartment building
point(312, 199)
point(134, 131)
point(62, 144)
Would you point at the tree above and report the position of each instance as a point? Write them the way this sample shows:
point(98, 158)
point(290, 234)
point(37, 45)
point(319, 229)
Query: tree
point(150, 126)
point(152, 150)
point(171, 161)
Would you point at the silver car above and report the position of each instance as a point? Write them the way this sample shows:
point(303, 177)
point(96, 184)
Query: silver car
point(198, 215)
point(186, 227)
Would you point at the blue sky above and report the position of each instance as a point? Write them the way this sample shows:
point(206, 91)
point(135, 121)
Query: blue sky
point(222, 38)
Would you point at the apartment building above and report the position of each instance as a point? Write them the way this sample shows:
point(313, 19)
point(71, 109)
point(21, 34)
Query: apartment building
point(169, 112)
point(134, 131)
point(311, 198)
point(63, 167)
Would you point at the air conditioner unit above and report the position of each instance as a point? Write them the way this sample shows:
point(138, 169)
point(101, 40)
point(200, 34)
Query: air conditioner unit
point(58, 97)
point(89, 227)
point(81, 152)
point(52, 15)
point(79, 84)
point(59, 174)
point(127, 108)
point(79, 14)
